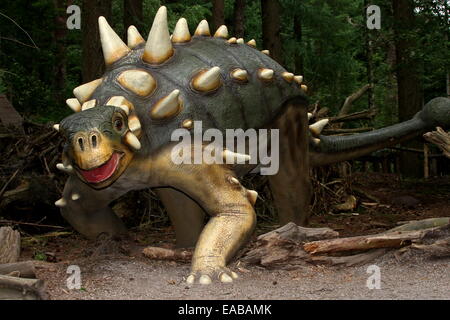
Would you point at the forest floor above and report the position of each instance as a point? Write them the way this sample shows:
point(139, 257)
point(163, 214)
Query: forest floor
point(118, 270)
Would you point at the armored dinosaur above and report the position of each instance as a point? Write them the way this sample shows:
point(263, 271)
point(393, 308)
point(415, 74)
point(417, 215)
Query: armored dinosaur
point(119, 138)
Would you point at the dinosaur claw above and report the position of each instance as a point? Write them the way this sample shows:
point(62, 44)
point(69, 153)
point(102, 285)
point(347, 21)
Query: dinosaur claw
point(205, 279)
point(190, 279)
point(224, 278)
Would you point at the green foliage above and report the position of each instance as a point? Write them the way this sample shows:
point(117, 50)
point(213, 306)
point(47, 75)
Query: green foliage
point(332, 49)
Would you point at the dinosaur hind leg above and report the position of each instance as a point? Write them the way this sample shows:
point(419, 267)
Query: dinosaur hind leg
point(186, 215)
point(291, 186)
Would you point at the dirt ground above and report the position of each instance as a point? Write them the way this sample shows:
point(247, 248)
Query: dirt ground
point(118, 270)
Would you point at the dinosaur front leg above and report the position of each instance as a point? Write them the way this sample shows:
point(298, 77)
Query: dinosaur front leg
point(232, 221)
point(87, 209)
point(185, 214)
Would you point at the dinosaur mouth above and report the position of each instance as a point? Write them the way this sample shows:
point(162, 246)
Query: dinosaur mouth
point(104, 172)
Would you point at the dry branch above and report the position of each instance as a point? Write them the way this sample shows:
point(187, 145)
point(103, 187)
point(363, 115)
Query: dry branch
point(441, 139)
point(352, 98)
point(157, 253)
point(394, 239)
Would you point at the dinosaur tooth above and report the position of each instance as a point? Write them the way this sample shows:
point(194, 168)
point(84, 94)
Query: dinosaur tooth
point(222, 32)
point(120, 101)
point(113, 47)
point(138, 81)
point(288, 76)
point(252, 196)
point(84, 92)
point(316, 128)
point(232, 40)
point(207, 80)
point(304, 87)
point(131, 140)
point(134, 38)
point(231, 157)
point(203, 29)
point(187, 124)
point(75, 196)
point(239, 74)
point(252, 43)
point(266, 52)
point(266, 74)
point(63, 168)
point(61, 203)
point(240, 41)
point(158, 48)
point(298, 79)
point(167, 107)
point(74, 104)
point(89, 104)
point(181, 33)
point(56, 127)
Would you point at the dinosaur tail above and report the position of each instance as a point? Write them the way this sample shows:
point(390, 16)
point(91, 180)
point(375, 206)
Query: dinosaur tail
point(334, 149)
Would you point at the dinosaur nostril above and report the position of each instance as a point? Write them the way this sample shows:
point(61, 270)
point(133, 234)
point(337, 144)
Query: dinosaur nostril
point(94, 141)
point(81, 144)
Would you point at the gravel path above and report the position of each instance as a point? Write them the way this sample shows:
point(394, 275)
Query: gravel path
point(137, 278)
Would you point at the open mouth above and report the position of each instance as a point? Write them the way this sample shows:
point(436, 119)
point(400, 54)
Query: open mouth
point(104, 172)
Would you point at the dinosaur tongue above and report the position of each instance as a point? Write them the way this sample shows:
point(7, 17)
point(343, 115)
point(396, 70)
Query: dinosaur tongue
point(103, 172)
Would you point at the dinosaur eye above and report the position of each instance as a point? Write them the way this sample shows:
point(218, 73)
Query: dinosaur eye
point(118, 124)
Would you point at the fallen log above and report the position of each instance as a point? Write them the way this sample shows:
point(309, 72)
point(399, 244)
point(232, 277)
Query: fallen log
point(439, 249)
point(14, 288)
point(9, 245)
point(394, 239)
point(349, 261)
point(283, 246)
point(24, 269)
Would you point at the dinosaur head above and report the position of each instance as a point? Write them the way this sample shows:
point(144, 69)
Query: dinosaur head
point(99, 144)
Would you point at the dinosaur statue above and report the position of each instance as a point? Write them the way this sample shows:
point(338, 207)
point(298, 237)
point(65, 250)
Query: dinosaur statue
point(120, 136)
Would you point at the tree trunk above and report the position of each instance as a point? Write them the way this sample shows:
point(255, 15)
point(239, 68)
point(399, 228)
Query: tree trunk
point(93, 64)
point(132, 15)
point(410, 96)
point(239, 18)
point(369, 64)
point(298, 39)
point(271, 27)
point(59, 37)
point(218, 13)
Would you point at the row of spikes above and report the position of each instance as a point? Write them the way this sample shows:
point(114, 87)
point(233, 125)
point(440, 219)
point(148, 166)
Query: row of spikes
point(158, 47)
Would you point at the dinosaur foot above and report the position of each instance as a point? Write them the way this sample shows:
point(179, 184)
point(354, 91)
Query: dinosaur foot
point(206, 277)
